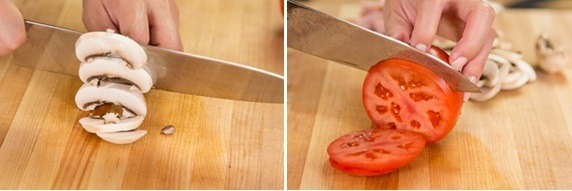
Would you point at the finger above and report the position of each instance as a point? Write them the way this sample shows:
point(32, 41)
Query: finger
point(396, 25)
point(365, 21)
point(13, 33)
point(95, 16)
point(164, 23)
point(132, 20)
point(477, 29)
point(371, 6)
point(474, 69)
point(378, 25)
point(426, 24)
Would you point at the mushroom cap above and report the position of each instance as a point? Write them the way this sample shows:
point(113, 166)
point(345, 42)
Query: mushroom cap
point(101, 43)
point(491, 73)
point(486, 93)
point(515, 79)
point(115, 67)
point(108, 92)
point(99, 126)
point(122, 137)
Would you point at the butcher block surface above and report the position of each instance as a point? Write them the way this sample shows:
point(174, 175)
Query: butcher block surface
point(521, 139)
point(218, 143)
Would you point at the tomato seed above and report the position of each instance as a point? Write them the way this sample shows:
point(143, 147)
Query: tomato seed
point(418, 96)
point(405, 146)
point(415, 124)
point(395, 110)
point(382, 92)
point(414, 84)
point(370, 155)
point(400, 81)
point(435, 117)
point(352, 144)
point(381, 109)
point(391, 125)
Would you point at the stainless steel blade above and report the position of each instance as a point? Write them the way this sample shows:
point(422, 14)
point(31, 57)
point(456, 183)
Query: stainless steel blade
point(322, 35)
point(52, 49)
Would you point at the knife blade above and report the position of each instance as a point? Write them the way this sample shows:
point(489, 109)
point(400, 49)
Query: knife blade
point(51, 48)
point(328, 37)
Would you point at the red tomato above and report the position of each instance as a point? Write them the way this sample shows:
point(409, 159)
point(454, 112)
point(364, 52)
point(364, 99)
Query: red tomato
point(400, 94)
point(375, 151)
point(282, 6)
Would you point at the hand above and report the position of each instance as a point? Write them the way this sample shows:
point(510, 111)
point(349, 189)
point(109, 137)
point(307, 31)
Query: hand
point(417, 22)
point(13, 32)
point(153, 22)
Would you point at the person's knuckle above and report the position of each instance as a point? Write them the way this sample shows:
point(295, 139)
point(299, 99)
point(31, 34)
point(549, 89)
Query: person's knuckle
point(487, 10)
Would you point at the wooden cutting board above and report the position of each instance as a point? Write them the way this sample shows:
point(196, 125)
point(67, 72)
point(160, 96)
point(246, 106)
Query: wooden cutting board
point(518, 140)
point(218, 144)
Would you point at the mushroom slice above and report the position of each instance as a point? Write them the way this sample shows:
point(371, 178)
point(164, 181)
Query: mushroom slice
point(490, 74)
point(100, 126)
point(514, 80)
point(551, 59)
point(125, 137)
point(88, 97)
point(115, 70)
point(94, 44)
point(486, 93)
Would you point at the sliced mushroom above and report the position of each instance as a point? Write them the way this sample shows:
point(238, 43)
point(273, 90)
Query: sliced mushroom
point(99, 69)
point(122, 137)
point(129, 117)
point(486, 93)
point(515, 79)
point(551, 58)
point(490, 75)
point(88, 97)
point(517, 60)
point(100, 126)
point(97, 44)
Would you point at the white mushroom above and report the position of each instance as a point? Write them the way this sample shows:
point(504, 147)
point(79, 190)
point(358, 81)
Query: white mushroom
point(486, 93)
point(96, 44)
point(490, 75)
point(99, 69)
point(551, 58)
point(100, 126)
point(514, 80)
point(125, 109)
point(88, 97)
point(124, 137)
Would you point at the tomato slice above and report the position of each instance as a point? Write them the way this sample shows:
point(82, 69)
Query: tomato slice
point(357, 171)
point(400, 94)
point(375, 151)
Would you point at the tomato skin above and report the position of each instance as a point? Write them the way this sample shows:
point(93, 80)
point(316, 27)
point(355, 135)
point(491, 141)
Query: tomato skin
point(391, 100)
point(357, 171)
point(439, 53)
point(282, 7)
point(375, 151)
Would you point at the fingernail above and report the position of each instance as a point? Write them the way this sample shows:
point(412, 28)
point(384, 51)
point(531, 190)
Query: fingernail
point(459, 63)
point(421, 47)
point(468, 94)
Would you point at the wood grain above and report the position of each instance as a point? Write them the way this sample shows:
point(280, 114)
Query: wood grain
point(518, 140)
point(218, 144)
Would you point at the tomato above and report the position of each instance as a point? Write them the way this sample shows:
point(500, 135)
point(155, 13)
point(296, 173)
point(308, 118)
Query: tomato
point(375, 151)
point(282, 6)
point(400, 94)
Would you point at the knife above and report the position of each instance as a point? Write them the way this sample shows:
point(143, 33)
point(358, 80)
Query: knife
point(51, 48)
point(325, 36)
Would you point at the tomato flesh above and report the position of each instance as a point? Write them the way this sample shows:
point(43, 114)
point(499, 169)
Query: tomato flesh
point(410, 107)
point(375, 151)
point(400, 94)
